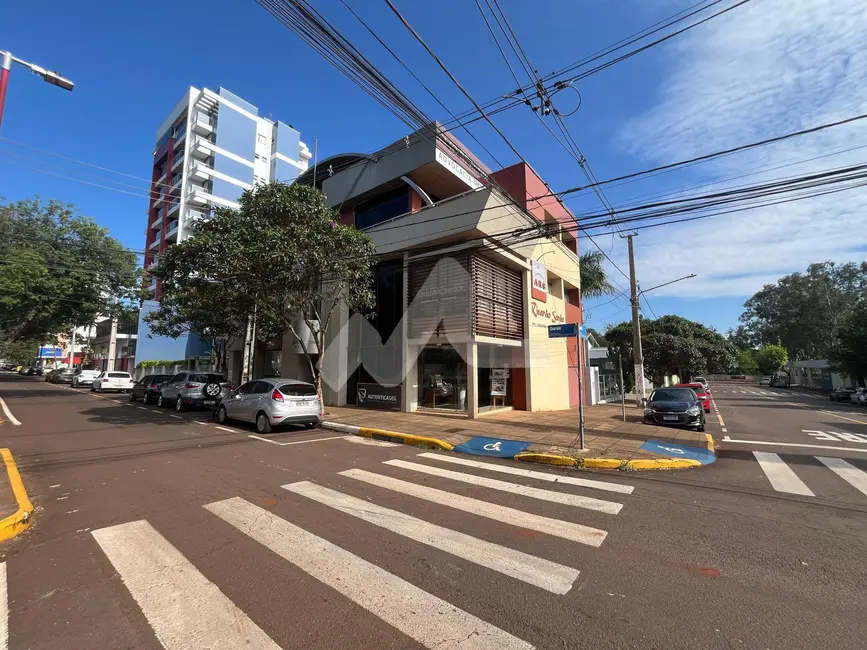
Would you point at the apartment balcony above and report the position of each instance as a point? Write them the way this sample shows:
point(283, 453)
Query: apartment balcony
point(200, 171)
point(203, 124)
point(201, 148)
point(179, 140)
point(173, 209)
point(198, 196)
point(177, 161)
point(154, 264)
point(177, 182)
point(159, 200)
point(172, 231)
point(162, 179)
point(194, 215)
point(156, 225)
point(155, 243)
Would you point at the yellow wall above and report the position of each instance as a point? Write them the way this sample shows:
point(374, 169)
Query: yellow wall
point(549, 365)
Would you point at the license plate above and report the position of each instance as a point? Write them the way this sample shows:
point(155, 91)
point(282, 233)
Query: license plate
point(670, 418)
point(209, 401)
point(303, 402)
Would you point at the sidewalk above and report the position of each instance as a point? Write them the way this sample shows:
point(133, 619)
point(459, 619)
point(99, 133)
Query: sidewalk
point(553, 435)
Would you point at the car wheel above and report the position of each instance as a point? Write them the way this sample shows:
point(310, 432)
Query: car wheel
point(160, 401)
point(263, 424)
point(179, 404)
point(131, 396)
point(147, 399)
point(222, 416)
point(309, 425)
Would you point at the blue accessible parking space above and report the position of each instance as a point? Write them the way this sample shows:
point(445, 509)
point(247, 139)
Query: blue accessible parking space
point(481, 446)
point(704, 456)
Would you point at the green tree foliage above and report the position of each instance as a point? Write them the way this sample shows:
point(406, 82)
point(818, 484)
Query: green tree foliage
point(747, 361)
point(770, 359)
point(57, 270)
point(803, 312)
point(21, 351)
point(849, 356)
point(284, 253)
point(674, 346)
point(594, 279)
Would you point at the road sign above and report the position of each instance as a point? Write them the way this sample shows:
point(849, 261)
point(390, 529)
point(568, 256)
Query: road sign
point(582, 331)
point(562, 331)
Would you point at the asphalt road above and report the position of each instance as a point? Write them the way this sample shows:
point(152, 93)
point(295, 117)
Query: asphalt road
point(161, 530)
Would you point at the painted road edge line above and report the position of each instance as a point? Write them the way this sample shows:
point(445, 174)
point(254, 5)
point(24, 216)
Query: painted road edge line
point(533, 457)
point(23, 517)
point(8, 413)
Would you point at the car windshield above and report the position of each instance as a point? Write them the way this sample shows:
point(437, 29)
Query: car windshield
point(672, 395)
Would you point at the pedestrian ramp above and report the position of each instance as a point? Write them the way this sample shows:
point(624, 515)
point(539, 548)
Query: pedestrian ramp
point(403, 498)
point(812, 476)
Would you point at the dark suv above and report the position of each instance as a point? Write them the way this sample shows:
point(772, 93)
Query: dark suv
point(679, 407)
point(191, 388)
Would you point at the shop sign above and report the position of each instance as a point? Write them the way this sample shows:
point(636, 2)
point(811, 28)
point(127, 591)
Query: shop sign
point(543, 312)
point(374, 396)
point(457, 170)
point(498, 381)
point(540, 282)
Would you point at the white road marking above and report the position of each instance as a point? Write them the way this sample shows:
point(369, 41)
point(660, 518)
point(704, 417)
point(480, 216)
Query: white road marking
point(294, 442)
point(576, 500)
point(792, 444)
point(204, 424)
point(182, 606)
point(529, 473)
point(8, 413)
point(176, 416)
point(846, 471)
point(227, 429)
point(143, 408)
point(425, 618)
point(511, 516)
point(781, 476)
point(542, 573)
point(359, 440)
point(4, 609)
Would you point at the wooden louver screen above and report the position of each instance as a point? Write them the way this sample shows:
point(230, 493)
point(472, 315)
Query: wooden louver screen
point(498, 308)
point(438, 294)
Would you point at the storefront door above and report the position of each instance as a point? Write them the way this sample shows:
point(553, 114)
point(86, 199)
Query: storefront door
point(442, 379)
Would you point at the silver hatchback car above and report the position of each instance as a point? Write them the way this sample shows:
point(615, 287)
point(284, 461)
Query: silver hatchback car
point(272, 401)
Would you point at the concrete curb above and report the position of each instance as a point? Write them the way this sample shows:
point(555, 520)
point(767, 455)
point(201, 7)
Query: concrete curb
point(659, 463)
point(20, 520)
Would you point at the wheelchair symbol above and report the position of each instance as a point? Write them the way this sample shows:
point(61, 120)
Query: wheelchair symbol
point(493, 446)
point(672, 450)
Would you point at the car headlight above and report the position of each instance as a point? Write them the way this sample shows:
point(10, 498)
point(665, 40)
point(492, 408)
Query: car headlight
point(648, 411)
point(694, 410)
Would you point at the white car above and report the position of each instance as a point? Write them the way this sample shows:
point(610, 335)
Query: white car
point(85, 378)
point(859, 397)
point(112, 380)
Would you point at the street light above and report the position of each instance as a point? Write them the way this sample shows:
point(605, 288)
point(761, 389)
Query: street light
point(49, 76)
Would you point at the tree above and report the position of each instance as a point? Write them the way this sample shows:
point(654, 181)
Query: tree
point(594, 278)
point(747, 361)
point(674, 346)
point(804, 312)
point(770, 359)
point(284, 254)
point(58, 270)
point(849, 356)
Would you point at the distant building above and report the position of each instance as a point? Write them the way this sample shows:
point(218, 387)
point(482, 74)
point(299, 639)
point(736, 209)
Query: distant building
point(209, 149)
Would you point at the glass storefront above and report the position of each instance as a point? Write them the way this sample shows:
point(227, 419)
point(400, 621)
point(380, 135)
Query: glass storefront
point(442, 379)
point(495, 376)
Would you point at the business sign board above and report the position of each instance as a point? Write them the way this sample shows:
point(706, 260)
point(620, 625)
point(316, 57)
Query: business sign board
point(563, 331)
point(374, 396)
point(457, 169)
point(50, 352)
point(539, 290)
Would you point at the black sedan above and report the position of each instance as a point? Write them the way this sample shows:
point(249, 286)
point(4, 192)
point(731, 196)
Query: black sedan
point(679, 407)
point(147, 389)
point(842, 394)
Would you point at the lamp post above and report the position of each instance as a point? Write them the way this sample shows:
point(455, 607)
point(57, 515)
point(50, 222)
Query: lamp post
point(6, 60)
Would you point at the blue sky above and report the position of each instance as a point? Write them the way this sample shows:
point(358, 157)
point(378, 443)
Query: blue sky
point(132, 61)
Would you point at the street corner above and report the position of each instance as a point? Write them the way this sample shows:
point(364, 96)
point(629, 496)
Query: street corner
point(390, 436)
point(677, 455)
point(14, 493)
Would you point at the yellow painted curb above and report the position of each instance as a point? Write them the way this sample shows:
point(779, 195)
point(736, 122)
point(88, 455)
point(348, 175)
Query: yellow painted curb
point(548, 459)
point(406, 438)
point(662, 463)
point(710, 445)
point(603, 463)
point(20, 521)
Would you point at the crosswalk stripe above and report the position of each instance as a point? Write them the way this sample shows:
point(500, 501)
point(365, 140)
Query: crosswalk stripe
point(576, 500)
point(183, 607)
point(781, 476)
point(565, 529)
point(358, 440)
point(536, 571)
point(418, 614)
point(529, 473)
point(846, 471)
point(4, 609)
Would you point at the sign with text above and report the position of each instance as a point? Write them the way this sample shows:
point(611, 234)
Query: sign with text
point(374, 396)
point(563, 331)
point(498, 382)
point(540, 282)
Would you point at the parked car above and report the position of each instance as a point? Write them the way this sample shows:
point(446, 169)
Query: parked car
point(191, 388)
point(842, 394)
point(764, 381)
point(8, 366)
point(779, 382)
point(64, 376)
point(272, 401)
point(112, 380)
point(700, 392)
point(85, 378)
point(679, 407)
point(703, 382)
point(859, 397)
point(27, 370)
point(49, 376)
point(147, 389)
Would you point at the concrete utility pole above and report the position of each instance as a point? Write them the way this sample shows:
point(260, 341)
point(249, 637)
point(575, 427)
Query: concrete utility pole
point(249, 348)
point(637, 354)
point(72, 349)
point(6, 60)
point(112, 344)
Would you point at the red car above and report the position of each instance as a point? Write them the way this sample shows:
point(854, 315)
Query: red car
point(701, 392)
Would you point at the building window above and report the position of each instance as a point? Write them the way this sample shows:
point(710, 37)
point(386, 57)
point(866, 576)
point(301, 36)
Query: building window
point(382, 208)
point(262, 138)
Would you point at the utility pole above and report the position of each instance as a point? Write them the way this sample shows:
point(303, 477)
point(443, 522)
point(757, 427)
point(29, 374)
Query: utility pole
point(580, 343)
point(249, 347)
point(72, 349)
point(6, 60)
point(112, 344)
point(637, 354)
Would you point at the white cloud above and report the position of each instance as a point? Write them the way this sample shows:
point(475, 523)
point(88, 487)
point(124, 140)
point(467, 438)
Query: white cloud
point(765, 69)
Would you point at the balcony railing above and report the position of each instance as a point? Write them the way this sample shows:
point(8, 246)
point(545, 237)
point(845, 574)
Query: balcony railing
point(177, 161)
point(156, 242)
point(156, 225)
point(173, 207)
point(172, 229)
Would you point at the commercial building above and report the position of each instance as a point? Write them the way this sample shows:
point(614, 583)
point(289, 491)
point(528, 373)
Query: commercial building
point(209, 149)
point(474, 266)
point(113, 345)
